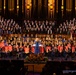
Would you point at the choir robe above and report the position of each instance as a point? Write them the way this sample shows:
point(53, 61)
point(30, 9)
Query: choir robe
point(26, 50)
point(48, 48)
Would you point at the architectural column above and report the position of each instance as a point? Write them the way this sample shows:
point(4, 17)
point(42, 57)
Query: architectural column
point(64, 12)
point(6, 8)
point(73, 9)
point(45, 9)
point(62, 8)
point(20, 8)
point(39, 8)
point(69, 8)
point(59, 10)
point(15, 7)
point(51, 9)
point(2, 7)
point(28, 6)
point(55, 14)
point(33, 10)
point(23, 8)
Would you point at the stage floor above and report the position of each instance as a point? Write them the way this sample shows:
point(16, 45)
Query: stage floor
point(52, 64)
point(60, 59)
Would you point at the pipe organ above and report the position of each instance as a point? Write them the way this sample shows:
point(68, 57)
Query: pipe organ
point(48, 9)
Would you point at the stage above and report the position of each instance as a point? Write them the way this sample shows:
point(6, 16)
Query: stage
point(60, 66)
point(59, 59)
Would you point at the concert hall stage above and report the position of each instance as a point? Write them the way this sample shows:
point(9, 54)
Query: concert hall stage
point(50, 67)
point(58, 67)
